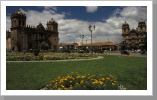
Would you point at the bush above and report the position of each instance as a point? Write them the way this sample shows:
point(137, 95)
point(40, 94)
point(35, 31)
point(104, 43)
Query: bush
point(36, 52)
point(75, 81)
point(44, 46)
point(81, 51)
point(125, 52)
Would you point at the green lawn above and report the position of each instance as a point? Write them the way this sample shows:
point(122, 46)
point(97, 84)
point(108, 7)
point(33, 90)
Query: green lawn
point(129, 71)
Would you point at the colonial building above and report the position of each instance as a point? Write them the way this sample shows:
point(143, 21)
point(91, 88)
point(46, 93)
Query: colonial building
point(108, 45)
point(134, 38)
point(68, 46)
point(26, 37)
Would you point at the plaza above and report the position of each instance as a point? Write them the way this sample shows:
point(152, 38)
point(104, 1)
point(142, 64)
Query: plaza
point(39, 55)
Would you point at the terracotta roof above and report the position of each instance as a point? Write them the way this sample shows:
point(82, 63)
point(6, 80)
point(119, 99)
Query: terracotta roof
point(100, 43)
point(65, 44)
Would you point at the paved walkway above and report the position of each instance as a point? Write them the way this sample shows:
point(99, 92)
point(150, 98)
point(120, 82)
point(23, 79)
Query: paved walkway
point(131, 54)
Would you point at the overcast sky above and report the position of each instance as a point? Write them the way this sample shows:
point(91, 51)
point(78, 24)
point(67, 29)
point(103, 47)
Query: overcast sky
point(74, 21)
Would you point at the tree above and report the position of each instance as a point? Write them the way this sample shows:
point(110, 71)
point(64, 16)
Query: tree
point(44, 46)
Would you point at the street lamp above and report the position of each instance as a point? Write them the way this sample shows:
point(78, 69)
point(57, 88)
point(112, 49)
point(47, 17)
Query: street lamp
point(86, 44)
point(91, 30)
point(82, 36)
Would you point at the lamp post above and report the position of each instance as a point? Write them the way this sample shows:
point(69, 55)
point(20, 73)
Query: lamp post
point(91, 30)
point(82, 36)
point(123, 46)
point(86, 44)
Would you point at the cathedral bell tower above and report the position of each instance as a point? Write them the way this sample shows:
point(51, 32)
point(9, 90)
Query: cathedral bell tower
point(18, 36)
point(18, 19)
point(125, 30)
point(52, 27)
point(142, 26)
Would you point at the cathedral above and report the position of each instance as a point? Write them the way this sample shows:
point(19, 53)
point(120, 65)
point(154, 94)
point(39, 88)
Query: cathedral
point(26, 37)
point(135, 38)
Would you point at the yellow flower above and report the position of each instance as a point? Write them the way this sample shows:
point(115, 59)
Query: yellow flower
point(111, 76)
point(65, 88)
point(70, 81)
point(107, 78)
point(62, 86)
point(71, 88)
point(114, 81)
point(65, 79)
point(59, 89)
point(113, 84)
point(81, 81)
point(101, 83)
point(93, 82)
point(103, 79)
point(83, 76)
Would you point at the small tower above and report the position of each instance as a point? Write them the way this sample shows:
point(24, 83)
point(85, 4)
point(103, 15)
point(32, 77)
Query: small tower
point(125, 28)
point(18, 36)
point(125, 31)
point(142, 26)
point(52, 25)
point(18, 19)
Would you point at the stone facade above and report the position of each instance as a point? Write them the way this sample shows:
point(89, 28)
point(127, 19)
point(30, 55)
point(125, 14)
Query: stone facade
point(135, 38)
point(26, 37)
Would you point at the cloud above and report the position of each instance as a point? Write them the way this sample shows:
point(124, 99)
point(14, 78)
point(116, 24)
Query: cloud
point(71, 29)
point(91, 9)
point(135, 13)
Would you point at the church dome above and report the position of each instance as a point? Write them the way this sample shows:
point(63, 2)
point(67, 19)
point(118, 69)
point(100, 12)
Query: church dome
point(141, 20)
point(40, 27)
point(18, 13)
point(52, 21)
point(125, 23)
point(133, 31)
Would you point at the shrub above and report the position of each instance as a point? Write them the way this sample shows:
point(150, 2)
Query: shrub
point(36, 52)
point(75, 81)
point(44, 46)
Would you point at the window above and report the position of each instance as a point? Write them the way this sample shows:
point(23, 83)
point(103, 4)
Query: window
point(23, 23)
point(19, 22)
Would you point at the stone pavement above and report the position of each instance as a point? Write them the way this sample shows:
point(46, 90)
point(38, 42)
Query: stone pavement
point(131, 54)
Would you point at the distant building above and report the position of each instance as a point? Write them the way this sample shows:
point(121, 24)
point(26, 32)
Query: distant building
point(135, 38)
point(22, 37)
point(68, 46)
point(108, 45)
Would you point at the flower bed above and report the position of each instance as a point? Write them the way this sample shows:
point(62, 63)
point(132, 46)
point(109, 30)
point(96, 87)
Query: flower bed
point(75, 81)
point(46, 56)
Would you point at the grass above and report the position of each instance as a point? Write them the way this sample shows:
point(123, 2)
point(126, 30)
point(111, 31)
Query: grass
point(129, 71)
